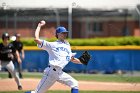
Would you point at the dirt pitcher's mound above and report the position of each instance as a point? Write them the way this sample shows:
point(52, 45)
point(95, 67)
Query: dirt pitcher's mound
point(30, 84)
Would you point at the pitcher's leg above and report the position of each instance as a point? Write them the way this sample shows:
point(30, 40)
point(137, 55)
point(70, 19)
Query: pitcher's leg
point(69, 81)
point(48, 79)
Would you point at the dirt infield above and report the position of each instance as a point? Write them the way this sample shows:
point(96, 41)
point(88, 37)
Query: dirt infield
point(30, 84)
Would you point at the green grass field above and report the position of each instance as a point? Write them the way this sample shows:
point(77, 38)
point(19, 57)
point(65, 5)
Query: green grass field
point(79, 92)
point(87, 77)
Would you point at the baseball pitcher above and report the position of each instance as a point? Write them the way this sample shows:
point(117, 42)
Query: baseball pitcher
point(59, 55)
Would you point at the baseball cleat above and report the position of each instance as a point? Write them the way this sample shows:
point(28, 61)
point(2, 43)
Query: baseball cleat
point(20, 87)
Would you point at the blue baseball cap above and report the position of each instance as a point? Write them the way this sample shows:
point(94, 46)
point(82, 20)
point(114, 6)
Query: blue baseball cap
point(61, 29)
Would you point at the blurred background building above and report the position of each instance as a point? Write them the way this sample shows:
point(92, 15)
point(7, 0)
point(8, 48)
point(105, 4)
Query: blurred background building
point(82, 19)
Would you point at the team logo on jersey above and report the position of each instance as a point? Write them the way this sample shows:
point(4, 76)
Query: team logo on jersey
point(62, 49)
point(6, 51)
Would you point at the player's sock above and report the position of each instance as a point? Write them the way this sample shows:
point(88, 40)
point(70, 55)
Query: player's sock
point(73, 90)
point(30, 92)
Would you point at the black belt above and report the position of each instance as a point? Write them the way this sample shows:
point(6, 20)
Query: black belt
point(53, 68)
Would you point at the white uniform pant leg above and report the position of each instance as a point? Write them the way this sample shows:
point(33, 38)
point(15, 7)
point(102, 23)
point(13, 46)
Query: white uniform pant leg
point(68, 80)
point(49, 78)
point(10, 67)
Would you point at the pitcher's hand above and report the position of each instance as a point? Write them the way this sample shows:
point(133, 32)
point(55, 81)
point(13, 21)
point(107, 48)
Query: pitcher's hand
point(41, 23)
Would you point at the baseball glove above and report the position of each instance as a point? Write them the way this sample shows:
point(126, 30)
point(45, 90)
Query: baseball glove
point(84, 58)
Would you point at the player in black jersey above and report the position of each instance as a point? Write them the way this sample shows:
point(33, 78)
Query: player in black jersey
point(7, 52)
point(19, 47)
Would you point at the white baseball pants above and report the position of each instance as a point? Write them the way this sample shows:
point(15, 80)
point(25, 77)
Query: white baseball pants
point(10, 67)
point(53, 74)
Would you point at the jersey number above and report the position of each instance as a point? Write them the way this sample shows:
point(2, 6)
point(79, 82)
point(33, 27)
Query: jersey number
point(68, 58)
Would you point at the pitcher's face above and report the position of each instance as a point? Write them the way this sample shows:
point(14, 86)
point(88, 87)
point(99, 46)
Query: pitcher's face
point(62, 35)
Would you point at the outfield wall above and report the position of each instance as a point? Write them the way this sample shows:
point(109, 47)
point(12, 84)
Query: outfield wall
point(104, 58)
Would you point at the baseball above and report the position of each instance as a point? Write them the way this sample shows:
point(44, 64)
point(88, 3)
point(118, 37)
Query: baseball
point(43, 22)
point(13, 38)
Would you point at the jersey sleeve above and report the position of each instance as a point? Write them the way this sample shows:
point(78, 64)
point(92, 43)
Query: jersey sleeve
point(73, 54)
point(44, 44)
point(13, 48)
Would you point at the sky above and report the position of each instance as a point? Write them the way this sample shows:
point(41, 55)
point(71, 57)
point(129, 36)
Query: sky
point(105, 4)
